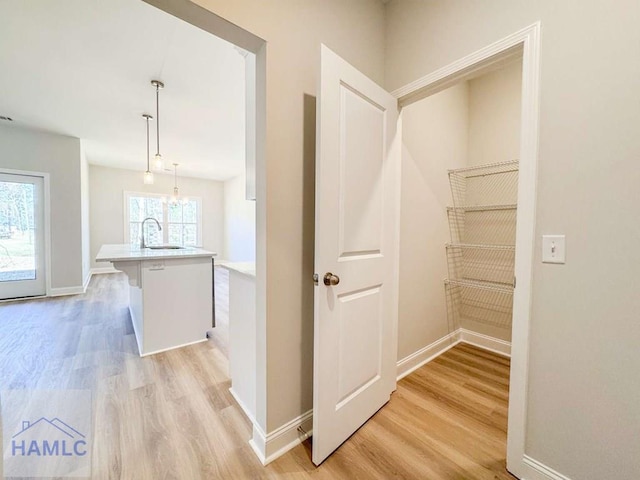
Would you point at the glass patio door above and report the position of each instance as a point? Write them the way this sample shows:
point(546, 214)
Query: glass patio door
point(22, 272)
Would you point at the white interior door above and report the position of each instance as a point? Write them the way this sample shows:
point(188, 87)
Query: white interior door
point(22, 272)
point(357, 210)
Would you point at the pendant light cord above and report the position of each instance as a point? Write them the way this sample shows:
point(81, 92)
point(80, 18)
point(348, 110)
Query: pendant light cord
point(157, 119)
point(147, 117)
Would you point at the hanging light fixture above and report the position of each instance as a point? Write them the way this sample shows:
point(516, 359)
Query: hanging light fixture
point(176, 192)
point(158, 162)
point(175, 198)
point(148, 176)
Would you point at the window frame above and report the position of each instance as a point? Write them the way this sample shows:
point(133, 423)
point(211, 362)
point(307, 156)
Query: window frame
point(165, 216)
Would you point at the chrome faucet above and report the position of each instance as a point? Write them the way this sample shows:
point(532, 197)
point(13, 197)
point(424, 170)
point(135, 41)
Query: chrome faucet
point(142, 244)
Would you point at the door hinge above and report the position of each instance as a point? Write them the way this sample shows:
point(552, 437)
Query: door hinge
point(514, 281)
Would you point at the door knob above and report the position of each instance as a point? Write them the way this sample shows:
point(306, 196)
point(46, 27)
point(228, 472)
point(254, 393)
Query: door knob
point(331, 279)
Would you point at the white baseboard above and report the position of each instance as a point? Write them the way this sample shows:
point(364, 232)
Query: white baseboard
point(278, 442)
point(495, 345)
point(244, 408)
point(169, 348)
point(539, 471)
point(103, 270)
point(423, 356)
point(268, 447)
point(59, 292)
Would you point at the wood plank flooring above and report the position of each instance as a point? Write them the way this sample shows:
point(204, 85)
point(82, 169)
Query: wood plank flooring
point(171, 415)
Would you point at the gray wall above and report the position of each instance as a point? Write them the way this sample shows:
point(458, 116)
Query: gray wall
point(293, 31)
point(583, 409)
point(84, 211)
point(470, 123)
point(22, 149)
point(434, 139)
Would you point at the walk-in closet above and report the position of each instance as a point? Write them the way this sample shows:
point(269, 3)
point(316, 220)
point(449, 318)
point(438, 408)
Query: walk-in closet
point(460, 169)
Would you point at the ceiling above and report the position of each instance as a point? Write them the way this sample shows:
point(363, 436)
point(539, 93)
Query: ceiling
point(83, 68)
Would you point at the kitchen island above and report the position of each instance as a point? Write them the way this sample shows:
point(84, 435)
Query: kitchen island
point(170, 293)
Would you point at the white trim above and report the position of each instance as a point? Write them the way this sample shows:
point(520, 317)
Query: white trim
point(170, 348)
point(278, 442)
point(502, 51)
point(526, 40)
point(495, 345)
point(59, 292)
point(103, 270)
point(270, 446)
point(47, 221)
point(85, 285)
point(539, 471)
point(411, 363)
point(244, 408)
point(423, 356)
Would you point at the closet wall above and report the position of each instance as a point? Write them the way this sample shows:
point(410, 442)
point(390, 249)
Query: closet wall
point(472, 123)
point(494, 116)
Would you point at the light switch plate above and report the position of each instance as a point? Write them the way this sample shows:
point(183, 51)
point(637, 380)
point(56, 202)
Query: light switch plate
point(553, 249)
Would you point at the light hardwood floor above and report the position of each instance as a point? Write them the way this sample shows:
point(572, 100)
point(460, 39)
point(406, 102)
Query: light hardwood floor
point(171, 415)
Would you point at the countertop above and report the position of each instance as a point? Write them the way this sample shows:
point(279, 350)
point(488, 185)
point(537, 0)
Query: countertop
point(246, 268)
point(127, 252)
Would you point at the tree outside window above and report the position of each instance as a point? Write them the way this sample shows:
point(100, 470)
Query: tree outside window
point(181, 222)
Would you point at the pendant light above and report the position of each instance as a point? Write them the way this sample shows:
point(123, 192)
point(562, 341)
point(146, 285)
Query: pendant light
point(148, 176)
point(175, 198)
point(176, 192)
point(158, 162)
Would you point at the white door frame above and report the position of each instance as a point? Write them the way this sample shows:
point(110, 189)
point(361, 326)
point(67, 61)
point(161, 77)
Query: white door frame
point(525, 43)
point(47, 222)
point(208, 21)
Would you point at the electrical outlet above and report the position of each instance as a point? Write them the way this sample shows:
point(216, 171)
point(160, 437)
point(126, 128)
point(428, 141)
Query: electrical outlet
point(553, 249)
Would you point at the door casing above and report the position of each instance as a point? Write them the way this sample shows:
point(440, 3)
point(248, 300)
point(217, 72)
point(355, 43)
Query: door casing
point(47, 223)
point(524, 43)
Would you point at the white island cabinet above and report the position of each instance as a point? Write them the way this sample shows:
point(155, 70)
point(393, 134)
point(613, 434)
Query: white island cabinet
point(170, 294)
point(242, 334)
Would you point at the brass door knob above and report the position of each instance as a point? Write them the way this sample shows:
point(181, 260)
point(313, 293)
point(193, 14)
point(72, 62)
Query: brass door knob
point(331, 279)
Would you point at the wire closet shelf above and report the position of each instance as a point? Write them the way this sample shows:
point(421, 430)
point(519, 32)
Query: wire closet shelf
point(481, 255)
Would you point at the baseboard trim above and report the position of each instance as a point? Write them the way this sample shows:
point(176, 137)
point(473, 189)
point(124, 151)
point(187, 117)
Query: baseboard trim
point(170, 348)
point(269, 447)
point(242, 405)
point(278, 442)
point(423, 356)
point(539, 471)
point(60, 292)
point(103, 270)
point(495, 345)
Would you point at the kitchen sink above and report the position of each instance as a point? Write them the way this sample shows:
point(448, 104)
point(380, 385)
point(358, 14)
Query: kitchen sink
point(164, 247)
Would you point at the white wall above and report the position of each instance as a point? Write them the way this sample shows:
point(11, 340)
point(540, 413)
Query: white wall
point(107, 187)
point(293, 31)
point(239, 222)
point(583, 410)
point(58, 155)
point(494, 115)
point(435, 137)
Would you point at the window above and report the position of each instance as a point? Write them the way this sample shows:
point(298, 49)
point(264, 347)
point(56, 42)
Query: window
point(181, 222)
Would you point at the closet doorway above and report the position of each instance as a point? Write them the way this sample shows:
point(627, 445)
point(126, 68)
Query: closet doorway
point(469, 162)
